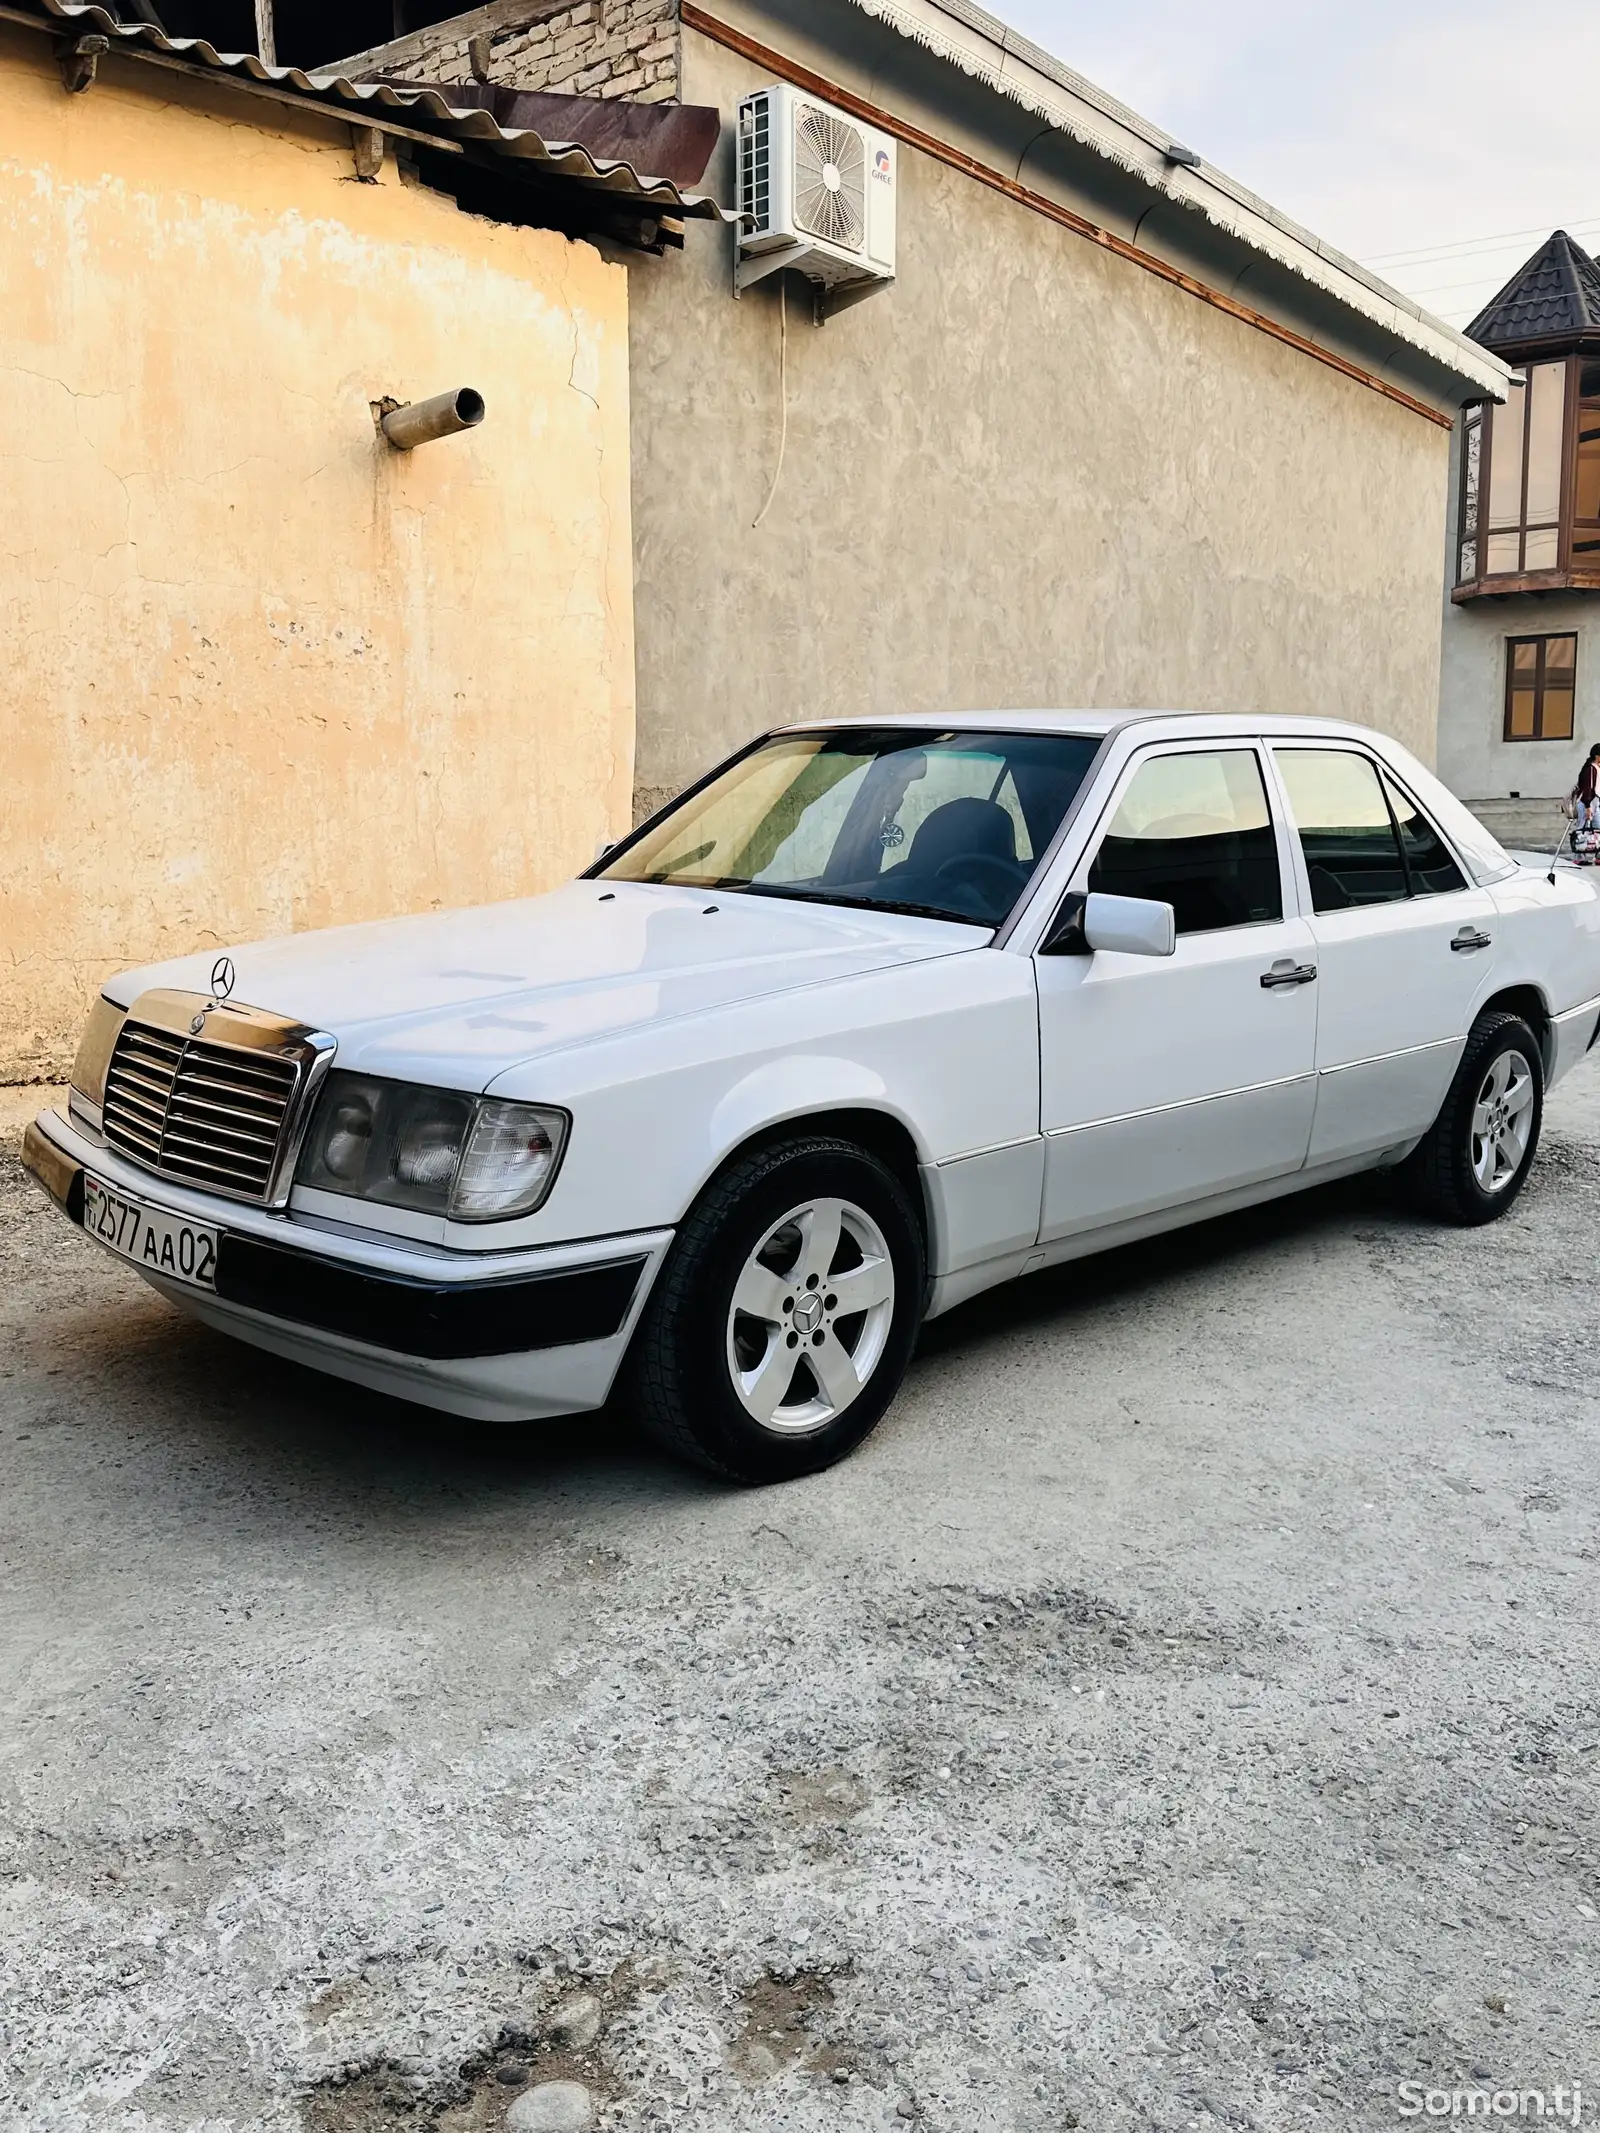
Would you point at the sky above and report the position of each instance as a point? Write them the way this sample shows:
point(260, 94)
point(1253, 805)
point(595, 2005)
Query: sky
point(1437, 144)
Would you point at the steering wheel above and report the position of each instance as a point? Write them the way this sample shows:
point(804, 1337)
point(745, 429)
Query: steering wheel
point(1003, 870)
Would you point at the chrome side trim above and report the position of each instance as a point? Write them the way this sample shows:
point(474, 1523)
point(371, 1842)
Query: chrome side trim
point(970, 1155)
point(951, 1289)
point(1406, 1051)
point(1187, 1103)
point(1572, 1014)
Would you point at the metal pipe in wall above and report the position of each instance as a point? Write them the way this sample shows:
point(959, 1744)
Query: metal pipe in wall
point(422, 421)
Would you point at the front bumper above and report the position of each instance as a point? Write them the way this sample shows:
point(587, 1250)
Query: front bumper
point(500, 1336)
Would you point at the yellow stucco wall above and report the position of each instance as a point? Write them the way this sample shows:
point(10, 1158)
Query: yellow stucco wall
point(261, 672)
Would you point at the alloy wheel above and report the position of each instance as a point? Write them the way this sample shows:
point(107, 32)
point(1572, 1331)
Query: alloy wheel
point(1502, 1122)
point(810, 1316)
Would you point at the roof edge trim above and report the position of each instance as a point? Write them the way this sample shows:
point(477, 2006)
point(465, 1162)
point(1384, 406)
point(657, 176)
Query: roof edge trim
point(779, 64)
point(1015, 68)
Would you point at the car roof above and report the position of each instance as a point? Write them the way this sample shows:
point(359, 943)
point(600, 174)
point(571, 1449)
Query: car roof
point(1096, 724)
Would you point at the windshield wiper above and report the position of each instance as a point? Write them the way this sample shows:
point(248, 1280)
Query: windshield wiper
point(688, 859)
point(860, 903)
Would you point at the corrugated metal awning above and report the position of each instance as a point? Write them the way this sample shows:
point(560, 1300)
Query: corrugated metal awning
point(676, 141)
point(412, 113)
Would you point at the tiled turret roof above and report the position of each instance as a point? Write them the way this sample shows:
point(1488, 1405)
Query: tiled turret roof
point(1556, 295)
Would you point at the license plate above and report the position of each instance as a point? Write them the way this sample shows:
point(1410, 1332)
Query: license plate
point(155, 1242)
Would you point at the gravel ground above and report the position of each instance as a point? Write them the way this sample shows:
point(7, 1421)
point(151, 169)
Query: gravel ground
point(1184, 1712)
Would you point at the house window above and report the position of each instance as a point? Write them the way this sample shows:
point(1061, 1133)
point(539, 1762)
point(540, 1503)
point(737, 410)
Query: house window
point(1471, 489)
point(1586, 482)
point(1530, 481)
point(1541, 676)
point(1523, 526)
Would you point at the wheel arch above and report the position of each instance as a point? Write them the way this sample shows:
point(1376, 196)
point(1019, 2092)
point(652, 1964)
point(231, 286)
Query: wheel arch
point(1530, 1003)
point(666, 1369)
point(878, 1132)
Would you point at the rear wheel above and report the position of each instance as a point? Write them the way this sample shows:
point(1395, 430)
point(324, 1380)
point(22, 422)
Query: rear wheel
point(1477, 1155)
point(784, 1319)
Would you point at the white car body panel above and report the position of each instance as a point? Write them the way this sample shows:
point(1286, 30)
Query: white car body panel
point(1394, 1004)
point(1050, 1105)
point(454, 998)
point(1168, 1082)
point(948, 1048)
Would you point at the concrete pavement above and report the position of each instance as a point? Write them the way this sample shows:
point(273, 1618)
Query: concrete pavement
point(1184, 1712)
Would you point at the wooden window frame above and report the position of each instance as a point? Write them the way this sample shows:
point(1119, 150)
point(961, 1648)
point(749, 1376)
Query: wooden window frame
point(1576, 404)
point(1561, 525)
point(1542, 639)
point(1474, 425)
point(1570, 570)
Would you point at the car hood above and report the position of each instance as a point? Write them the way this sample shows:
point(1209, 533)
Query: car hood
point(457, 998)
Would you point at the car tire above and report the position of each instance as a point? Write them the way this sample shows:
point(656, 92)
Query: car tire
point(1476, 1156)
point(750, 1359)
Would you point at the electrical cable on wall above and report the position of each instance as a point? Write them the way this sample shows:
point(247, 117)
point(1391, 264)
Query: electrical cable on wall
point(783, 394)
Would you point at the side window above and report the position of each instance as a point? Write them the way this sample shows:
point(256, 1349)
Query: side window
point(1433, 872)
point(1194, 831)
point(1346, 830)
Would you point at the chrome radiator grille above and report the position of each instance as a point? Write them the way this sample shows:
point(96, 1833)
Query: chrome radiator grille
point(219, 1116)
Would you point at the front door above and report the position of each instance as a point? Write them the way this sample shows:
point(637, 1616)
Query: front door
point(1168, 1080)
point(1404, 949)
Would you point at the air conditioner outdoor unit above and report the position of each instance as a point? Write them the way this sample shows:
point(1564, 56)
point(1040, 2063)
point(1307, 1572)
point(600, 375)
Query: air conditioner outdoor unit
point(816, 192)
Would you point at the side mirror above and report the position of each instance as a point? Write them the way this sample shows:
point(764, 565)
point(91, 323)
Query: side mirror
point(1065, 935)
point(1124, 925)
point(607, 844)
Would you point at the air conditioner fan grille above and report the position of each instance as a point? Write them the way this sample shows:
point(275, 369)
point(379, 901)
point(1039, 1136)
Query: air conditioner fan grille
point(830, 179)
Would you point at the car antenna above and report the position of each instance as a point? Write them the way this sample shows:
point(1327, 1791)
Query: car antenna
point(1556, 854)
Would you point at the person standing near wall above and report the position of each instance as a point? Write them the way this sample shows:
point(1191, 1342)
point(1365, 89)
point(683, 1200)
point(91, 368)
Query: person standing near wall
point(1587, 791)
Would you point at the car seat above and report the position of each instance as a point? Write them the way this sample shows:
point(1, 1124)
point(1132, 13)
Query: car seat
point(960, 829)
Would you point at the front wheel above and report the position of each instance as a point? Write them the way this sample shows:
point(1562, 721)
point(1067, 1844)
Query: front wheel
point(1477, 1155)
point(784, 1319)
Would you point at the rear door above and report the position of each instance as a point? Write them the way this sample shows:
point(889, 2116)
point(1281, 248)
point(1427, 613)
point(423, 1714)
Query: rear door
point(1404, 948)
point(1171, 1079)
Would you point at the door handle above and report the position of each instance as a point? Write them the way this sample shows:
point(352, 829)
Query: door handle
point(1468, 940)
point(1285, 973)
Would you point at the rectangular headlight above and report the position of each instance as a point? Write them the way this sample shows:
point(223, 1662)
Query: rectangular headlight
point(434, 1151)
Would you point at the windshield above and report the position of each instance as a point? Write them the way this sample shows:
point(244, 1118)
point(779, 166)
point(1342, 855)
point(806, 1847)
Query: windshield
point(943, 824)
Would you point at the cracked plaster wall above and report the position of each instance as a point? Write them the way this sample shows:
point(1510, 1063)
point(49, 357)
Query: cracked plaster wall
point(1028, 473)
point(262, 672)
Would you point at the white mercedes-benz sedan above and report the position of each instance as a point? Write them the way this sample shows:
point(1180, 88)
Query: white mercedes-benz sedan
point(872, 1018)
